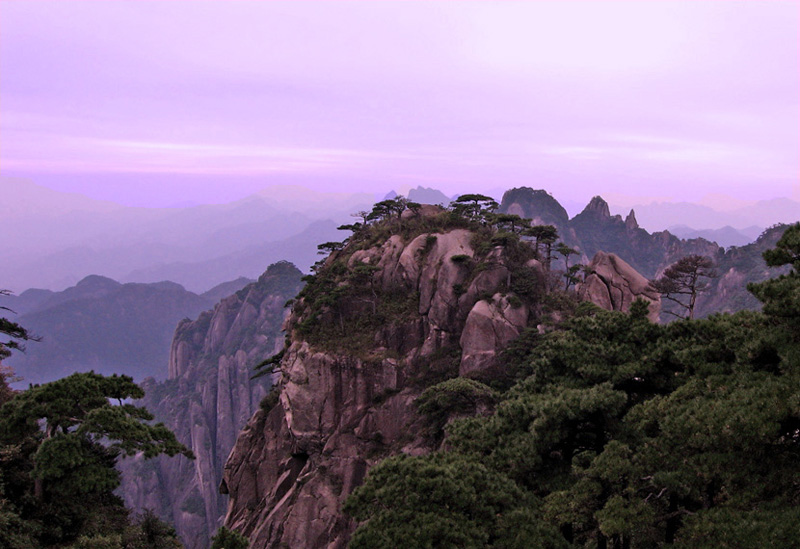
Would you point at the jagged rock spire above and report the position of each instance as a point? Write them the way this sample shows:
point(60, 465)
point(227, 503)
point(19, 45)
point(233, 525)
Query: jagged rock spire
point(630, 221)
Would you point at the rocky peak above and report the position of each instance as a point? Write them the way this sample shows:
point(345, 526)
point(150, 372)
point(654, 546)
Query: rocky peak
point(597, 206)
point(630, 221)
point(405, 303)
point(381, 320)
point(537, 205)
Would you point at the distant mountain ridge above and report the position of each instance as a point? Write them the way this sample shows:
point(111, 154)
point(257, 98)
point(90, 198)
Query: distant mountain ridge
point(55, 239)
point(738, 266)
point(595, 229)
point(425, 195)
point(726, 236)
point(103, 325)
point(764, 213)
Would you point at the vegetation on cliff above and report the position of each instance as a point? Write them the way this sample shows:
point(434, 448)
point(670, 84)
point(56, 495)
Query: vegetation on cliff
point(343, 303)
point(624, 434)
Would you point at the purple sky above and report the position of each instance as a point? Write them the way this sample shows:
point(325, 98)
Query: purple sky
point(150, 102)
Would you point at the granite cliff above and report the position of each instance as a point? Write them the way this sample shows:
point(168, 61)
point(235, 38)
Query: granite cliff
point(207, 399)
point(402, 305)
point(738, 266)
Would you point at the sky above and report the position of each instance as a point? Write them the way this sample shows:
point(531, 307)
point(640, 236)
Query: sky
point(164, 102)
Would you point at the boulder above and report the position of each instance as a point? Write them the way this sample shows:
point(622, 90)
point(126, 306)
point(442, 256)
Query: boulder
point(612, 284)
point(490, 326)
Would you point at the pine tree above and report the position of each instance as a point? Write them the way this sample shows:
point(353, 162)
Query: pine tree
point(683, 281)
point(59, 443)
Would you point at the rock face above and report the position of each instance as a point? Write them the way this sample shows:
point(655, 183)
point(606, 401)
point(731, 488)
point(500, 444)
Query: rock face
point(344, 407)
point(740, 265)
point(207, 399)
point(537, 205)
point(613, 285)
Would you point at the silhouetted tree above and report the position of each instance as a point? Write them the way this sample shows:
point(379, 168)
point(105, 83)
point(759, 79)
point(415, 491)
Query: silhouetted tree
point(570, 271)
point(329, 247)
point(683, 281)
point(510, 222)
point(386, 209)
point(544, 236)
point(476, 207)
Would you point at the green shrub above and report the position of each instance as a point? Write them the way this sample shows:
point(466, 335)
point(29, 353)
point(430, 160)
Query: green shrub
point(461, 258)
point(455, 396)
point(229, 539)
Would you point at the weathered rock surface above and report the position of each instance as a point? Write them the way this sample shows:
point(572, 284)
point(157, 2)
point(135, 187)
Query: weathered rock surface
point(207, 399)
point(613, 285)
point(740, 265)
point(489, 327)
point(340, 412)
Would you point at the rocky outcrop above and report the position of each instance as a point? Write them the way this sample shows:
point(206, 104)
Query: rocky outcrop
point(739, 266)
point(344, 405)
point(613, 285)
point(490, 326)
point(206, 401)
point(595, 229)
point(538, 205)
point(630, 221)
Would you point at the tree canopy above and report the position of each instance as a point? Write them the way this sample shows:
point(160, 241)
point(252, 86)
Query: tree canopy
point(59, 443)
point(683, 281)
point(476, 207)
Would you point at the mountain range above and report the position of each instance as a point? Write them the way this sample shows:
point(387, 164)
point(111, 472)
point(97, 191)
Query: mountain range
point(54, 239)
point(102, 325)
point(109, 326)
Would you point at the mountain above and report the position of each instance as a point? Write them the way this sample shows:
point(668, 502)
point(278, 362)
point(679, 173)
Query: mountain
point(425, 195)
point(764, 213)
point(727, 293)
point(537, 205)
point(300, 249)
point(594, 229)
point(406, 305)
point(726, 236)
point(54, 239)
point(225, 289)
point(208, 397)
point(102, 325)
